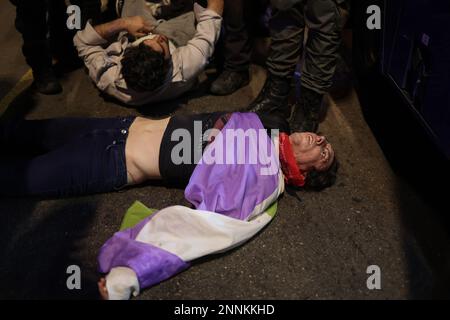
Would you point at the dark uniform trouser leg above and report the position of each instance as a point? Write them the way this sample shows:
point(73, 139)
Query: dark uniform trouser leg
point(287, 33)
point(61, 42)
point(323, 19)
point(31, 22)
point(237, 42)
point(241, 22)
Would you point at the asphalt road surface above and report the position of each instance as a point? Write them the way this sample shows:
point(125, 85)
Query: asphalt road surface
point(319, 248)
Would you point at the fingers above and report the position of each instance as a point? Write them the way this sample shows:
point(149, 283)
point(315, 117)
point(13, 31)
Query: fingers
point(102, 288)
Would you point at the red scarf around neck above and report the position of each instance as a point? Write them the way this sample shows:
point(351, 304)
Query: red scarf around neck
point(292, 174)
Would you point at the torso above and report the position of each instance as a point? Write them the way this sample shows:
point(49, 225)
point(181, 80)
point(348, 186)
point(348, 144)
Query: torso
point(144, 159)
point(142, 149)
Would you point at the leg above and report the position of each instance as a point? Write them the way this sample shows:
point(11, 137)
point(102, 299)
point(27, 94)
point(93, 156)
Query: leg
point(36, 136)
point(321, 52)
point(61, 38)
point(92, 163)
point(31, 22)
point(287, 30)
point(237, 50)
point(322, 47)
point(90, 9)
point(237, 40)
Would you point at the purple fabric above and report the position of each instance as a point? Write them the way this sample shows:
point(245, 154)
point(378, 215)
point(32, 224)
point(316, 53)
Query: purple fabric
point(234, 190)
point(230, 189)
point(151, 264)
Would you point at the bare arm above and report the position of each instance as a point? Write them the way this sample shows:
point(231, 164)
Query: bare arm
point(216, 6)
point(136, 26)
point(200, 48)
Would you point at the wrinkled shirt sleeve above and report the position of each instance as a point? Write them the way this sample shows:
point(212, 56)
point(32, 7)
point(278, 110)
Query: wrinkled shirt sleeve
point(101, 59)
point(195, 55)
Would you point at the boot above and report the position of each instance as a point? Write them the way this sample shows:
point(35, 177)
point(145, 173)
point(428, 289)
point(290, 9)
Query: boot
point(228, 82)
point(45, 81)
point(306, 114)
point(273, 98)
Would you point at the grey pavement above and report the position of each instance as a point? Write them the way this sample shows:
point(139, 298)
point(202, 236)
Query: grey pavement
point(318, 248)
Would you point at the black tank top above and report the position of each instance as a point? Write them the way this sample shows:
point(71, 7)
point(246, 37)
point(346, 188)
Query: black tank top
point(178, 175)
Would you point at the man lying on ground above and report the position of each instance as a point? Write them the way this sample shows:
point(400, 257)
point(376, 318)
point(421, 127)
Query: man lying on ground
point(234, 165)
point(165, 60)
point(78, 156)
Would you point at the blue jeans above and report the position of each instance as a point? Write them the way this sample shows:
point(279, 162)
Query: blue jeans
point(63, 157)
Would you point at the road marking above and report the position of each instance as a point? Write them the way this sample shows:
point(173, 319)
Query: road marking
point(20, 86)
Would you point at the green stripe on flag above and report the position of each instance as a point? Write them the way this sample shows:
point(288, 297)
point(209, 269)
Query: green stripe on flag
point(135, 214)
point(272, 210)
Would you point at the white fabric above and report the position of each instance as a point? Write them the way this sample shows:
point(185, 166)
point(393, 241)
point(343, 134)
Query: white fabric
point(190, 233)
point(121, 282)
point(172, 47)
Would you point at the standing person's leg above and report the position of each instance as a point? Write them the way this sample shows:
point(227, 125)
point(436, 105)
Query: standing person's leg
point(61, 37)
point(287, 31)
point(31, 22)
point(321, 53)
point(90, 10)
point(237, 49)
point(94, 162)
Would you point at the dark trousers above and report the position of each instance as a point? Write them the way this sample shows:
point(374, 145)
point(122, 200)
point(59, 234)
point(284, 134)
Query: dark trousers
point(287, 28)
point(42, 24)
point(241, 23)
point(63, 157)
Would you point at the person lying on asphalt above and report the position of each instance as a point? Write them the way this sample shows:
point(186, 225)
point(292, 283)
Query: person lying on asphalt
point(233, 191)
point(161, 63)
point(78, 156)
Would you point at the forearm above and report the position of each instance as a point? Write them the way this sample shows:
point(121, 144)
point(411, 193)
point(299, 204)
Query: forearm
point(108, 30)
point(216, 6)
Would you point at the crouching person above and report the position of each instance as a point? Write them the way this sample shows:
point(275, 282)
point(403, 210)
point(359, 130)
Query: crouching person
point(140, 60)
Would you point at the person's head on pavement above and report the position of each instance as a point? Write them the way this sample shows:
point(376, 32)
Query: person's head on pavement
point(315, 159)
point(146, 65)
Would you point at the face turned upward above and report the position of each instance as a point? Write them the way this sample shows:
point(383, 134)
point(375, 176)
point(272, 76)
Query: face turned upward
point(160, 44)
point(312, 152)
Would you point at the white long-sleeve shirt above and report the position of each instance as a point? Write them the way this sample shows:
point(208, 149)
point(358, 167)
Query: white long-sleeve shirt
point(103, 60)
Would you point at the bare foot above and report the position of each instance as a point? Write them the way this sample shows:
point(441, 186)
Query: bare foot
point(102, 289)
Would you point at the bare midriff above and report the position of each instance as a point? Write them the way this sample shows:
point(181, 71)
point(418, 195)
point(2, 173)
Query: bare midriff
point(142, 149)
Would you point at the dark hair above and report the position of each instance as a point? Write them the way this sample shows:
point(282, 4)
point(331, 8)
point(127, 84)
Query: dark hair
point(143, 68)
point(319, 180)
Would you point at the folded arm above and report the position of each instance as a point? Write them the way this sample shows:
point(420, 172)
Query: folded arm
point(92, 43)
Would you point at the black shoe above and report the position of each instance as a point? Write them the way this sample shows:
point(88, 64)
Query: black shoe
point(306, 115)
point(273, 98)
point(45, 82)
point(228, 82)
